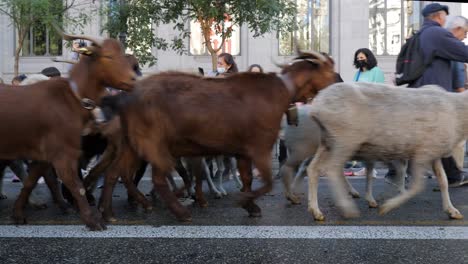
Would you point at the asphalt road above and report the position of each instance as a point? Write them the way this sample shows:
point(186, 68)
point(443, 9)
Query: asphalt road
point(418, 232)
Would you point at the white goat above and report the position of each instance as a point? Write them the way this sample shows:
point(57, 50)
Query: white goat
point(302, 142)
point(421, 125)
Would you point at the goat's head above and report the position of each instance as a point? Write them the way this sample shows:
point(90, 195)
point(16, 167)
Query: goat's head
point(309, 72)
point(106, 59)
point(134, 64)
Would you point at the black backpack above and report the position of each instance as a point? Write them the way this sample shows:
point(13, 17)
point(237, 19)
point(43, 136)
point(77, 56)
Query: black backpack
point(410, 63)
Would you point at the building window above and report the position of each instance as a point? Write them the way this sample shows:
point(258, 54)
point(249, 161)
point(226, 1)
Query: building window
point(197, 41)
point(313, 33)
point(42, 41)
point(388, 28)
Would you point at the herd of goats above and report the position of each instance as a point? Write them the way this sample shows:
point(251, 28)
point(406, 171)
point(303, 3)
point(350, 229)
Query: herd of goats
point(62, 122)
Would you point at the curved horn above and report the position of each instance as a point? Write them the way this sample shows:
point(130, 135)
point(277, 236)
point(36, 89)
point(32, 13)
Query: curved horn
point(65, 61)
point(297, 48)
point(96, 40)
point(281, 66)
point(318, 55)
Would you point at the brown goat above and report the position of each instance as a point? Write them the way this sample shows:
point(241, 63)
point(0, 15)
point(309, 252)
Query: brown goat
point(44, 121)
point(176, 114)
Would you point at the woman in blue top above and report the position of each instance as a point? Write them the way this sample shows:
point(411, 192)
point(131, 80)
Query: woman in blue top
point(365, 62)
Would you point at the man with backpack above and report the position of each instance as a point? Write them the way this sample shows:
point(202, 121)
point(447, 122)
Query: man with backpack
point(439, 47)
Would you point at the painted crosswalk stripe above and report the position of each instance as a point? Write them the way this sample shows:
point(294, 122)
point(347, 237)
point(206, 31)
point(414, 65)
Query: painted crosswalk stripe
point(246, 232)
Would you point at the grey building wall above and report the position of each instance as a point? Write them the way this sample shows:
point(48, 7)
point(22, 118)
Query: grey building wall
point(348, 28)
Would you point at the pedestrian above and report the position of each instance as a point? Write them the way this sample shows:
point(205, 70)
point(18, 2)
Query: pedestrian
point(367, 71)
point(1, 81)
point(51, 72)
point(440, 44)
point(255, 68)
point(366, 63)
point(18, 79)
point(226, 64)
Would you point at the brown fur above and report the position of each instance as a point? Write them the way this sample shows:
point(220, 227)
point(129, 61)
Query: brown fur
point(44, 121)
point(175, 114)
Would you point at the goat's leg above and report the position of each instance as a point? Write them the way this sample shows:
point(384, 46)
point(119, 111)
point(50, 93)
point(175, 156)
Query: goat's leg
point(35, 171)
point(134, 165)
point(124, 167)
point(417, 173)
point(221, 169)
point(2, 175)
point(67, 171)
point(234, 170)
point(198, 167)
point(443, 184)
point(54, 188)
point(334, 165)
point(370, 178)
point(105, 161)
point(300, 174)
point(262, 161)
point(313, 172)
point(245, 169)
point(160, 185)
point(179, 167)
point(140, 172)
point(285, 173)
point(350, 189)
point(210, 176)
point(34, 198)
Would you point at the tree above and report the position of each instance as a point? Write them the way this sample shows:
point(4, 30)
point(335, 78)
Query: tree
point(25, 14)
point(136, 18)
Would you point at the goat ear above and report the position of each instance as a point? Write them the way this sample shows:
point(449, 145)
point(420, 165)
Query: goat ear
point(88, 51)
point(85, 51)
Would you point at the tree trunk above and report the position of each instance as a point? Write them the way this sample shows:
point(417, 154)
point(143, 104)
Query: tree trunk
point(21, 37)
point(214, 61)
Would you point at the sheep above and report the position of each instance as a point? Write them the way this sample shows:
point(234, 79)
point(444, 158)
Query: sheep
point(438, 120)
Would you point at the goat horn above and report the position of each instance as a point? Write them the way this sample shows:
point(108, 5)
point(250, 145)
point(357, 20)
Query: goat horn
point(65, 61)
point(297, 48)
point(279, 65)
point(318, 55)
point(98, 41)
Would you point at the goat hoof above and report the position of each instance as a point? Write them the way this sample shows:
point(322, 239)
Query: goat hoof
point(148, 209)
point(384, 210)
point(455, 215)
point(19, 219)
point(223, 192)
point(38, 206)
point(203, 204)
point(350, 212)
point(96, 226)
point(252, 209)
point(294, 199)
point(373, 204)
point(354, 194)
point(3, 196)
point(317, 214)
point(218, 195)
point(184, 217)
point(107, 218)
point(185, 220)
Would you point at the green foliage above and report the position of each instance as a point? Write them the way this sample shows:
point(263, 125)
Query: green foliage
point(25, 14)
point(137, 17)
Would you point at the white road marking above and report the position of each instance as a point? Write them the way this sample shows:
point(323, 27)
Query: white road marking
point(246, 232)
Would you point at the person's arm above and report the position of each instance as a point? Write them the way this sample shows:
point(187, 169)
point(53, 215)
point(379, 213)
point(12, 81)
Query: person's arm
point(378, 75)
point(449, 47)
